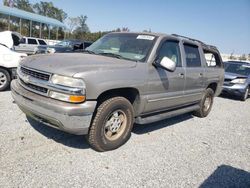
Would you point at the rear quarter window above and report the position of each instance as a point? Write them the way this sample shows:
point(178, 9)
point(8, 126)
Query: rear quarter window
point(42, 42)
point(212, 59)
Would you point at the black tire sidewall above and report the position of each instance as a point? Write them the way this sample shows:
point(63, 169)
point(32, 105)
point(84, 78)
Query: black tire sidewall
point(119, 104)
point(208, 92)
point(6, 73)
point(244, 97)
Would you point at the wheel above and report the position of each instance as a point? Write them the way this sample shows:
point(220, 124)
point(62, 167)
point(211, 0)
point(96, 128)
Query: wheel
point(111, 125)
point(205, 103)
point(4, 79)
point(245, 95)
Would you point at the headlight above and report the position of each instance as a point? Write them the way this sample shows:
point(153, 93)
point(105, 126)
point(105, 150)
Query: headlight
point(239, 81)
point(69, 85)
point(67, 81)
point(51, 50)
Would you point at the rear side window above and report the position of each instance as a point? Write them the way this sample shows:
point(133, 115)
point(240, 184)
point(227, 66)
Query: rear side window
point(42, 42)
point(32, 41)
point(192, 55)
point(22, 41)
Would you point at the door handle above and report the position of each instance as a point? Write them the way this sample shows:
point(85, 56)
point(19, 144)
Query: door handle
point(181, 75)
point(200, 74)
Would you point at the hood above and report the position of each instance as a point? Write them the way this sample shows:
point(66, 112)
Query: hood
point(9, 38)
point(232, 76)
point(69, 64)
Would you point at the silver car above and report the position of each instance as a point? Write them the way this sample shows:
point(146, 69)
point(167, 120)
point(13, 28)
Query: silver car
point(237, 79)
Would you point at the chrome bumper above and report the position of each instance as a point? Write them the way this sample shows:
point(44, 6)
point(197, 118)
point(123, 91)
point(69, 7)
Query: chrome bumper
point(71, 118)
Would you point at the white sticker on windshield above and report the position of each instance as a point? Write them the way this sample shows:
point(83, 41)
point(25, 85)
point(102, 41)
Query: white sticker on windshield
point(145, 37)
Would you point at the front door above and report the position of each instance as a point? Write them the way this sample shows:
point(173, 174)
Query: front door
point(165, 88)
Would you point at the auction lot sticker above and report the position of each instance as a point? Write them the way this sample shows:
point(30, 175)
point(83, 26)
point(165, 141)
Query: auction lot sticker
point(145, 37)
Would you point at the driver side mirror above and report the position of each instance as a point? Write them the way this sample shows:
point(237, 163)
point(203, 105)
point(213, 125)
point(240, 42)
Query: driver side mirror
point(168, 64)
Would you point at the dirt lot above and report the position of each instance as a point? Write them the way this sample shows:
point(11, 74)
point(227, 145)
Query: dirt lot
point(184, 151)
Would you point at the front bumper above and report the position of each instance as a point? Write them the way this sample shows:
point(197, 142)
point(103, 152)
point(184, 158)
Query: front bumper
point(71, 118)
point(236, 89)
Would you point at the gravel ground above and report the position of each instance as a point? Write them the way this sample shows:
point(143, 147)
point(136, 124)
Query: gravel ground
point(184, 151)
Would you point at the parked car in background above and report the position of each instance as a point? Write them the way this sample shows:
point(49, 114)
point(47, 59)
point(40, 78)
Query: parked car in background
point(9, 59)
point(237, 79)
point(120, 79)
point(29, 45)
point(71, 45)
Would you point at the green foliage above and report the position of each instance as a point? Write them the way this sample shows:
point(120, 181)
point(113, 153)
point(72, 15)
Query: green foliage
point(243, 57)
point(20, 4)
point(48, 9)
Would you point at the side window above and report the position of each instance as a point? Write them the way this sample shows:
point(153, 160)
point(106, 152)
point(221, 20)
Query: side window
point(32, 41)
point(42, 42)
point(212, 59)
point(22, 41)
point(171, 50)
point(192, 55)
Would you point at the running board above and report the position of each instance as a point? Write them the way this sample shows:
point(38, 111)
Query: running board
point(165, 115)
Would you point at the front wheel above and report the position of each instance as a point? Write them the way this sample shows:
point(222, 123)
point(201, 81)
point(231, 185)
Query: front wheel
point(205, 103)
point(4, 79)
point(245, 95)
point(112, 124)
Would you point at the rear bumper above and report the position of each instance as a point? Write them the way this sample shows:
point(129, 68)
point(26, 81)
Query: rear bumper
point(71, 118)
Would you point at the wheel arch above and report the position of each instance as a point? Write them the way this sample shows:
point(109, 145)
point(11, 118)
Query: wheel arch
point(130, 93)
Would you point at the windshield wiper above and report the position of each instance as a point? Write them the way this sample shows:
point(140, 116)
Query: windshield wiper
point(88, 51)
point(112, 55)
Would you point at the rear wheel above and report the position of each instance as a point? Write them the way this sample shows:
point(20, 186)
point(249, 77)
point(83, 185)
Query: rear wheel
point(205, 103)
point(4, 79)
point(245, 95)
point(111, 126)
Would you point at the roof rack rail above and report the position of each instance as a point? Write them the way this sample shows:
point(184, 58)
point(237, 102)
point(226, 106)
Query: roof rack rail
point(189, 38)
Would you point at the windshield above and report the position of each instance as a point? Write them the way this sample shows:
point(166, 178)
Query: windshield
point(63, 43)
point(129, 46)
point(237, 68)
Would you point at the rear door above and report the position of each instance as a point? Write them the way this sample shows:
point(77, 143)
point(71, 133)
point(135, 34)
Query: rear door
point(165, 88)
point(195, 70)
point(32, 44)
point(21, 47)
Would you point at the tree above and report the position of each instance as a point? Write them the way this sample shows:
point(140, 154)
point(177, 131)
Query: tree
point(72, 23)
point(82, 28)
point(48, 9)
point(243, 57)
point(20, 4)
point(123, 29)
point(232, 57)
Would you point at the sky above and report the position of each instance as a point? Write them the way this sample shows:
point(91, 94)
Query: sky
point(223, 23)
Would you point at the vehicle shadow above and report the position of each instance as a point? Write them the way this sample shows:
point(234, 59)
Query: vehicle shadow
point(226, 176)
point(146, 128)
point(231, 97)
point(61, 137)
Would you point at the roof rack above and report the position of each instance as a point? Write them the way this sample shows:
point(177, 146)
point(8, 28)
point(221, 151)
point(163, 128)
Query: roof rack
point(202, 43)
point(188, 38)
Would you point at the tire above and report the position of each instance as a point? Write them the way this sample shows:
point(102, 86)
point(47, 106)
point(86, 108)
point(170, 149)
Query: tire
point(245, 95)
point(111, 125)
point(4, 79)
point(206, 103)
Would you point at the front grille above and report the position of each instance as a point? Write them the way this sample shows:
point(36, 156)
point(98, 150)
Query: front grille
point(34, 87)
point(35, 74)
point(227, 80)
